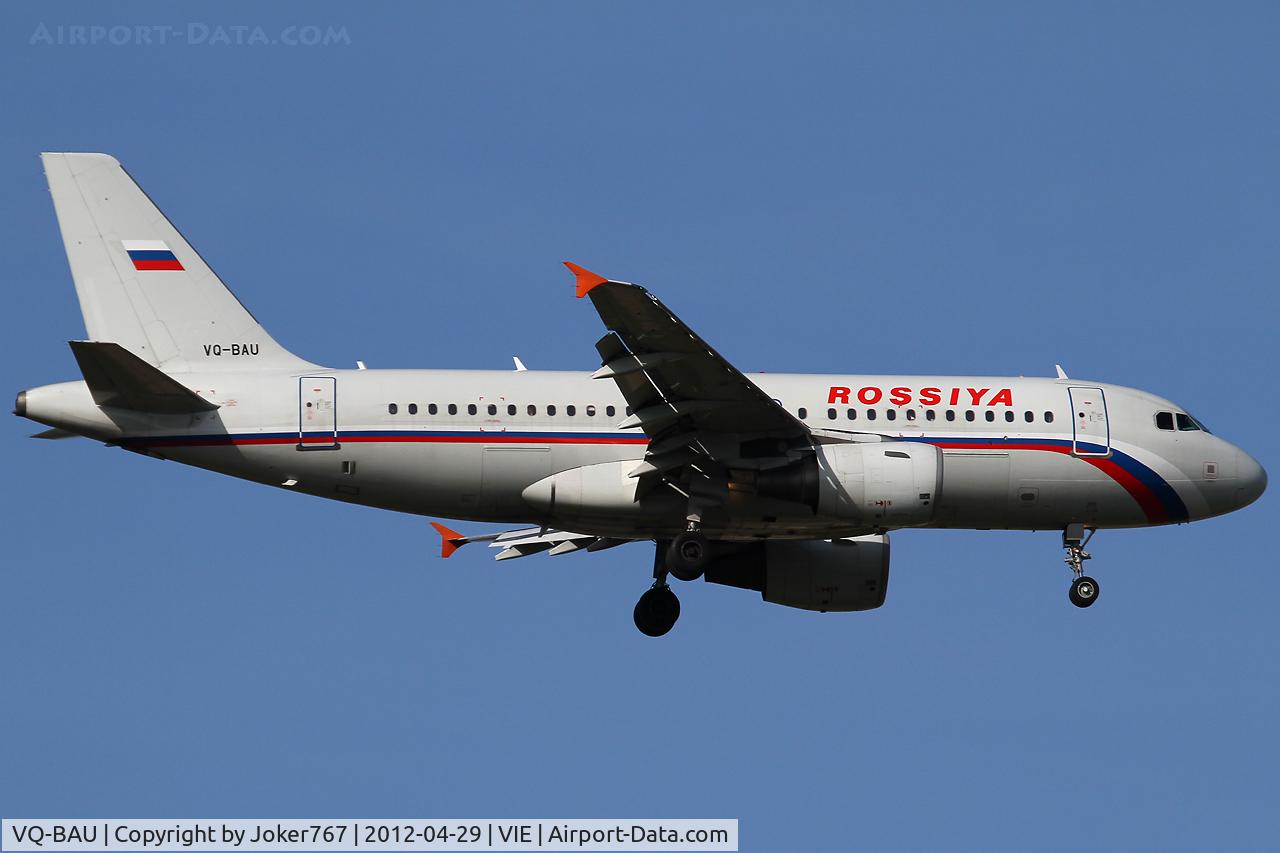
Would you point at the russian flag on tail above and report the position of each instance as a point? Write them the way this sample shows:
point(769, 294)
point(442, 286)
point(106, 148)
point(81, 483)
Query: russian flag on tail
point(151, 255)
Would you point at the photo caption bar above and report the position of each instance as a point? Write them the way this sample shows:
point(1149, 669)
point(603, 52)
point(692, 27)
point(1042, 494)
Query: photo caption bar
point(418, 834)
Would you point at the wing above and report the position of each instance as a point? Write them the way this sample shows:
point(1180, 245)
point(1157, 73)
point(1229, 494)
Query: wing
point(702, 415)
point(681, 391)
point(522, 543)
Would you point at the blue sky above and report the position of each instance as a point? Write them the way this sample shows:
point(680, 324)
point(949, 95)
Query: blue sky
point(846, 188)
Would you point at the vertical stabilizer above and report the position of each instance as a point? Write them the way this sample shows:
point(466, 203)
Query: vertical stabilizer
point(141, 284)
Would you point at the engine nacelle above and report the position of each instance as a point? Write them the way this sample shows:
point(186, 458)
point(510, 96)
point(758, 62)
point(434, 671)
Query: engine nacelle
point(601, 493)
point(890, 484)
point(841, 575)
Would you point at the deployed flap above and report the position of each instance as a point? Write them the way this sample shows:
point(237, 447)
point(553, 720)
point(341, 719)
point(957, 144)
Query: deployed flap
point(526, 541)
point(118, 378)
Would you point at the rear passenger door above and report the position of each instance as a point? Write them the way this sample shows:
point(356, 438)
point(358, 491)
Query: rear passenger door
point(317, 413)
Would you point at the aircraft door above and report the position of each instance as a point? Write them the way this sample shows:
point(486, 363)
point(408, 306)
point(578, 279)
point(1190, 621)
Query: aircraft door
point(317, 413)
point(1091, 432)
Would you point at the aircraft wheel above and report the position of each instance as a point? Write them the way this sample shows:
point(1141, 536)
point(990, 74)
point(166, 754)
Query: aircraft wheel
point(684, 574)
point(1084, 591)
point(657, 611)
point(687, 556)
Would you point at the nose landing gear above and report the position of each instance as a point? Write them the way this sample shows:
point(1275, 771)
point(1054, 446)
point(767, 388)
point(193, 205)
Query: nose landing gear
point(1084, 589)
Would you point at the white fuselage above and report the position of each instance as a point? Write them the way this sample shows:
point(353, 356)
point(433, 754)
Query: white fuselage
point(1018, 453)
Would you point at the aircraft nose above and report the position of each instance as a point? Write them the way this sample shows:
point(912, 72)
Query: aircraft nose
point(1252, 478)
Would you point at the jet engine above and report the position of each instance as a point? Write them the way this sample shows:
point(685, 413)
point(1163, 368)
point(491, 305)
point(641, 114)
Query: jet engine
point(885, 484)
point(840, 575)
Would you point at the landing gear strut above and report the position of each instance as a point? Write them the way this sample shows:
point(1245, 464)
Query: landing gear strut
point(1084, 589)
point(658, 609)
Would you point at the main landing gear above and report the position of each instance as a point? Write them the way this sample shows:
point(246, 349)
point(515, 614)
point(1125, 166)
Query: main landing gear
point(684, 559)
point(687, 555)
point(1084, 589)
point(657, 610)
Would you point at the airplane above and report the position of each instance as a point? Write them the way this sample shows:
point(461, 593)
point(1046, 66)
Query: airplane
point(784, 484)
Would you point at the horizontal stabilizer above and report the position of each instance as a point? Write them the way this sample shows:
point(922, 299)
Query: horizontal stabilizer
point(55, 433)
point(118, 378)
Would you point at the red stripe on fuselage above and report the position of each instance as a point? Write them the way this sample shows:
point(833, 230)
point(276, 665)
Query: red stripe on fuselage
point(1147, 499)
point(492, 438)
point(496, 437)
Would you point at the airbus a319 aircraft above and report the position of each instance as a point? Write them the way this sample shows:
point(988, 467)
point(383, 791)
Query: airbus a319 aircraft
point(788, 485)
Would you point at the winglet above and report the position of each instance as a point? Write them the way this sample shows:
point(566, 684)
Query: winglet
point(586, 278)
point(450, 540)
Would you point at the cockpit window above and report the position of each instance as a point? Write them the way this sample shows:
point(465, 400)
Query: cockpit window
point(1186, 423)
point(1164, 420)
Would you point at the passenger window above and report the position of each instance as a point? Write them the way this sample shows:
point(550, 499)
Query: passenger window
point(831, 414)
point(1164, 420)
point(853, 414)
point(627, 410)
point(968, 416)
point(891, 415)
point(951, 414)
point(871, 414)
point(1048, 417)
point(1008, 416)
point(911, 414)
point(570, 411)
point(802, 413)
point(471, 408)
point(413, 408)
point(493, 410)
point(1186, 423)
point(551, 411)
point(532, 410)
point(392, 408)
point(610, 411)
point(511, 410)
point(1028, 416)
point(432, 408)
point(453, 408)
point(591, 411)
point(991, 416)
point(930, 415)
